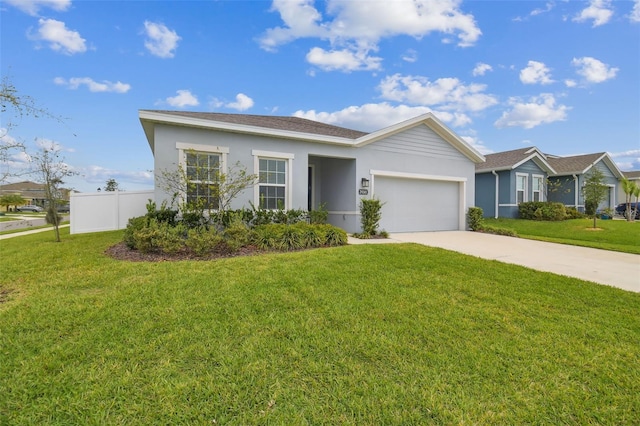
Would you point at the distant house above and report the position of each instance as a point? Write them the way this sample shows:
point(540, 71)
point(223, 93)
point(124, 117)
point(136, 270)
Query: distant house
point(571, 173)
point(420, 169)
point(509, 178)
point(633, 176)
point(32, 192)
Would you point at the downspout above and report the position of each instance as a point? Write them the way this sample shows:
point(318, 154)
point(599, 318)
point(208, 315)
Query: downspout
point(493, 172)
point(575, 180)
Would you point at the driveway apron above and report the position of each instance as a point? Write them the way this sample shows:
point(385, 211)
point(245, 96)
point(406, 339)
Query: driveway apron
point(611, 268)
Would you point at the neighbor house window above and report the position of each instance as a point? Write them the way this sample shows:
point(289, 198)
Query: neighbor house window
point(274, 179)
point(521, 187)
point(202, 166)
point(538, 187)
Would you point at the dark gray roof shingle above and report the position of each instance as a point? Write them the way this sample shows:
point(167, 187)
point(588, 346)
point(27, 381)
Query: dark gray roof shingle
point(505, 160)
point(575, 164)
point(293, 124)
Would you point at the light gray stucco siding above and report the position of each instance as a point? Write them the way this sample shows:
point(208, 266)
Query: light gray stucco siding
point(338, 169)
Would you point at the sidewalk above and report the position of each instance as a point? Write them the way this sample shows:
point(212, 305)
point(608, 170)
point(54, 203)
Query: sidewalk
point(32, 231)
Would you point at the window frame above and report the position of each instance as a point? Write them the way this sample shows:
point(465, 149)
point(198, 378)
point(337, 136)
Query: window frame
point(280, 156)
point(540, 190)
point(187, 148)
point(524, 190)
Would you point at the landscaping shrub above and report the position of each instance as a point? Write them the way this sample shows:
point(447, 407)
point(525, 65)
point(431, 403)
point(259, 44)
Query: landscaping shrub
point(313, 236)
point(319, 216)
point(292, 238)
point(134, 225)
point(573, 213)
point(158, 237)
point(542, 210)
point(236, 235)
point(202, 241)
point(487, 229)
point(265, 236)
point(370, 215)
point(334, 236)
point(475, 218)
point(164, 214)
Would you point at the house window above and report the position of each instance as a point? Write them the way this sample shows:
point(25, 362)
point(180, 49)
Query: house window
point(203, 172)
point(538, 186)
point(274, 179)
point(202, 166)
point(521, 187)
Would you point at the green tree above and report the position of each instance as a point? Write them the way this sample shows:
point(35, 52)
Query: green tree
point(111, 185)
point(51, 170)
point(594, 192)
point(11, 200)
point(225, 187)
point(628, 187)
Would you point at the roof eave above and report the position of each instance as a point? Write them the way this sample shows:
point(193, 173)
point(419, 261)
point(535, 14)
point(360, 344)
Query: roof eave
point(150, 117)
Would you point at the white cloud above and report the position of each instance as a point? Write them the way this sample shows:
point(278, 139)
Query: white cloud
point(59, 37)
point(570, 83)
point(447, 93)
point(600, 11)
point(547, 8)
point(371, 117)
point(627, 160)
point(184, 98)
point(477, 144)
point(242, 103)
point(93, 86)
point(161, 41)
point(634, 16)
point(535, 73)
point(538, 110)
point(342, 60)
point(99, 175)
point(32, 7)
point(411, 55)
point(593, 70)
point(358, 26)
point(481, 69)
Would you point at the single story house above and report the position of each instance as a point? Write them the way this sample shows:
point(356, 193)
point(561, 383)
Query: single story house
point(509, 178)
point(633, 176)
point(420, 169)
point(571, 173)
point(32, 192)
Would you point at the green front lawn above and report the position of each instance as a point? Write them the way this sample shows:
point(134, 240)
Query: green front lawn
point(367, 334)
point(617, 235)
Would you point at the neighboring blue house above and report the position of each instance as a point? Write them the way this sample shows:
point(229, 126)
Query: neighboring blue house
point(509, 178)
point(571, 173)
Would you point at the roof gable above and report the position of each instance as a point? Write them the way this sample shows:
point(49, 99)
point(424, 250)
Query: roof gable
point(581, 164)
point(509, 160)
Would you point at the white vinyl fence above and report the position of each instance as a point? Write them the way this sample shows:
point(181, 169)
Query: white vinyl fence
point(106, 211)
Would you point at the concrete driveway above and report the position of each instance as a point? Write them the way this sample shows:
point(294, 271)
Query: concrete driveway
point(615, 269)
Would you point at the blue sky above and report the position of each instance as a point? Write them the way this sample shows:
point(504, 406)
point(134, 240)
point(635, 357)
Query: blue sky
point(561, 75)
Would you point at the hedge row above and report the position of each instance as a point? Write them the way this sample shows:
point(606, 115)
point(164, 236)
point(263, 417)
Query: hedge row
point(150, 235)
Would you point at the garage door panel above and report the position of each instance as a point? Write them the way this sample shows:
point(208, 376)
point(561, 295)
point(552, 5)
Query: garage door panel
point(418, 205)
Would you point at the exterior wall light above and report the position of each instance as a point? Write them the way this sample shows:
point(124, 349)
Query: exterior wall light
point(365, 182)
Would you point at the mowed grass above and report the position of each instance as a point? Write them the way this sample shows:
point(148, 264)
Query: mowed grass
point(616, 235)
point(367, 334)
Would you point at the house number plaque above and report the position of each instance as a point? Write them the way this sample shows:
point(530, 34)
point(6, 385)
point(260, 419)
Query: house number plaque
point(363, 192)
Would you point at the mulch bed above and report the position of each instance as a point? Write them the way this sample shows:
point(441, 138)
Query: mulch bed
point(121, 252)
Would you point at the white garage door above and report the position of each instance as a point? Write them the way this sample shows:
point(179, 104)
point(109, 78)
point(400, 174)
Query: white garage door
point(418, 205)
